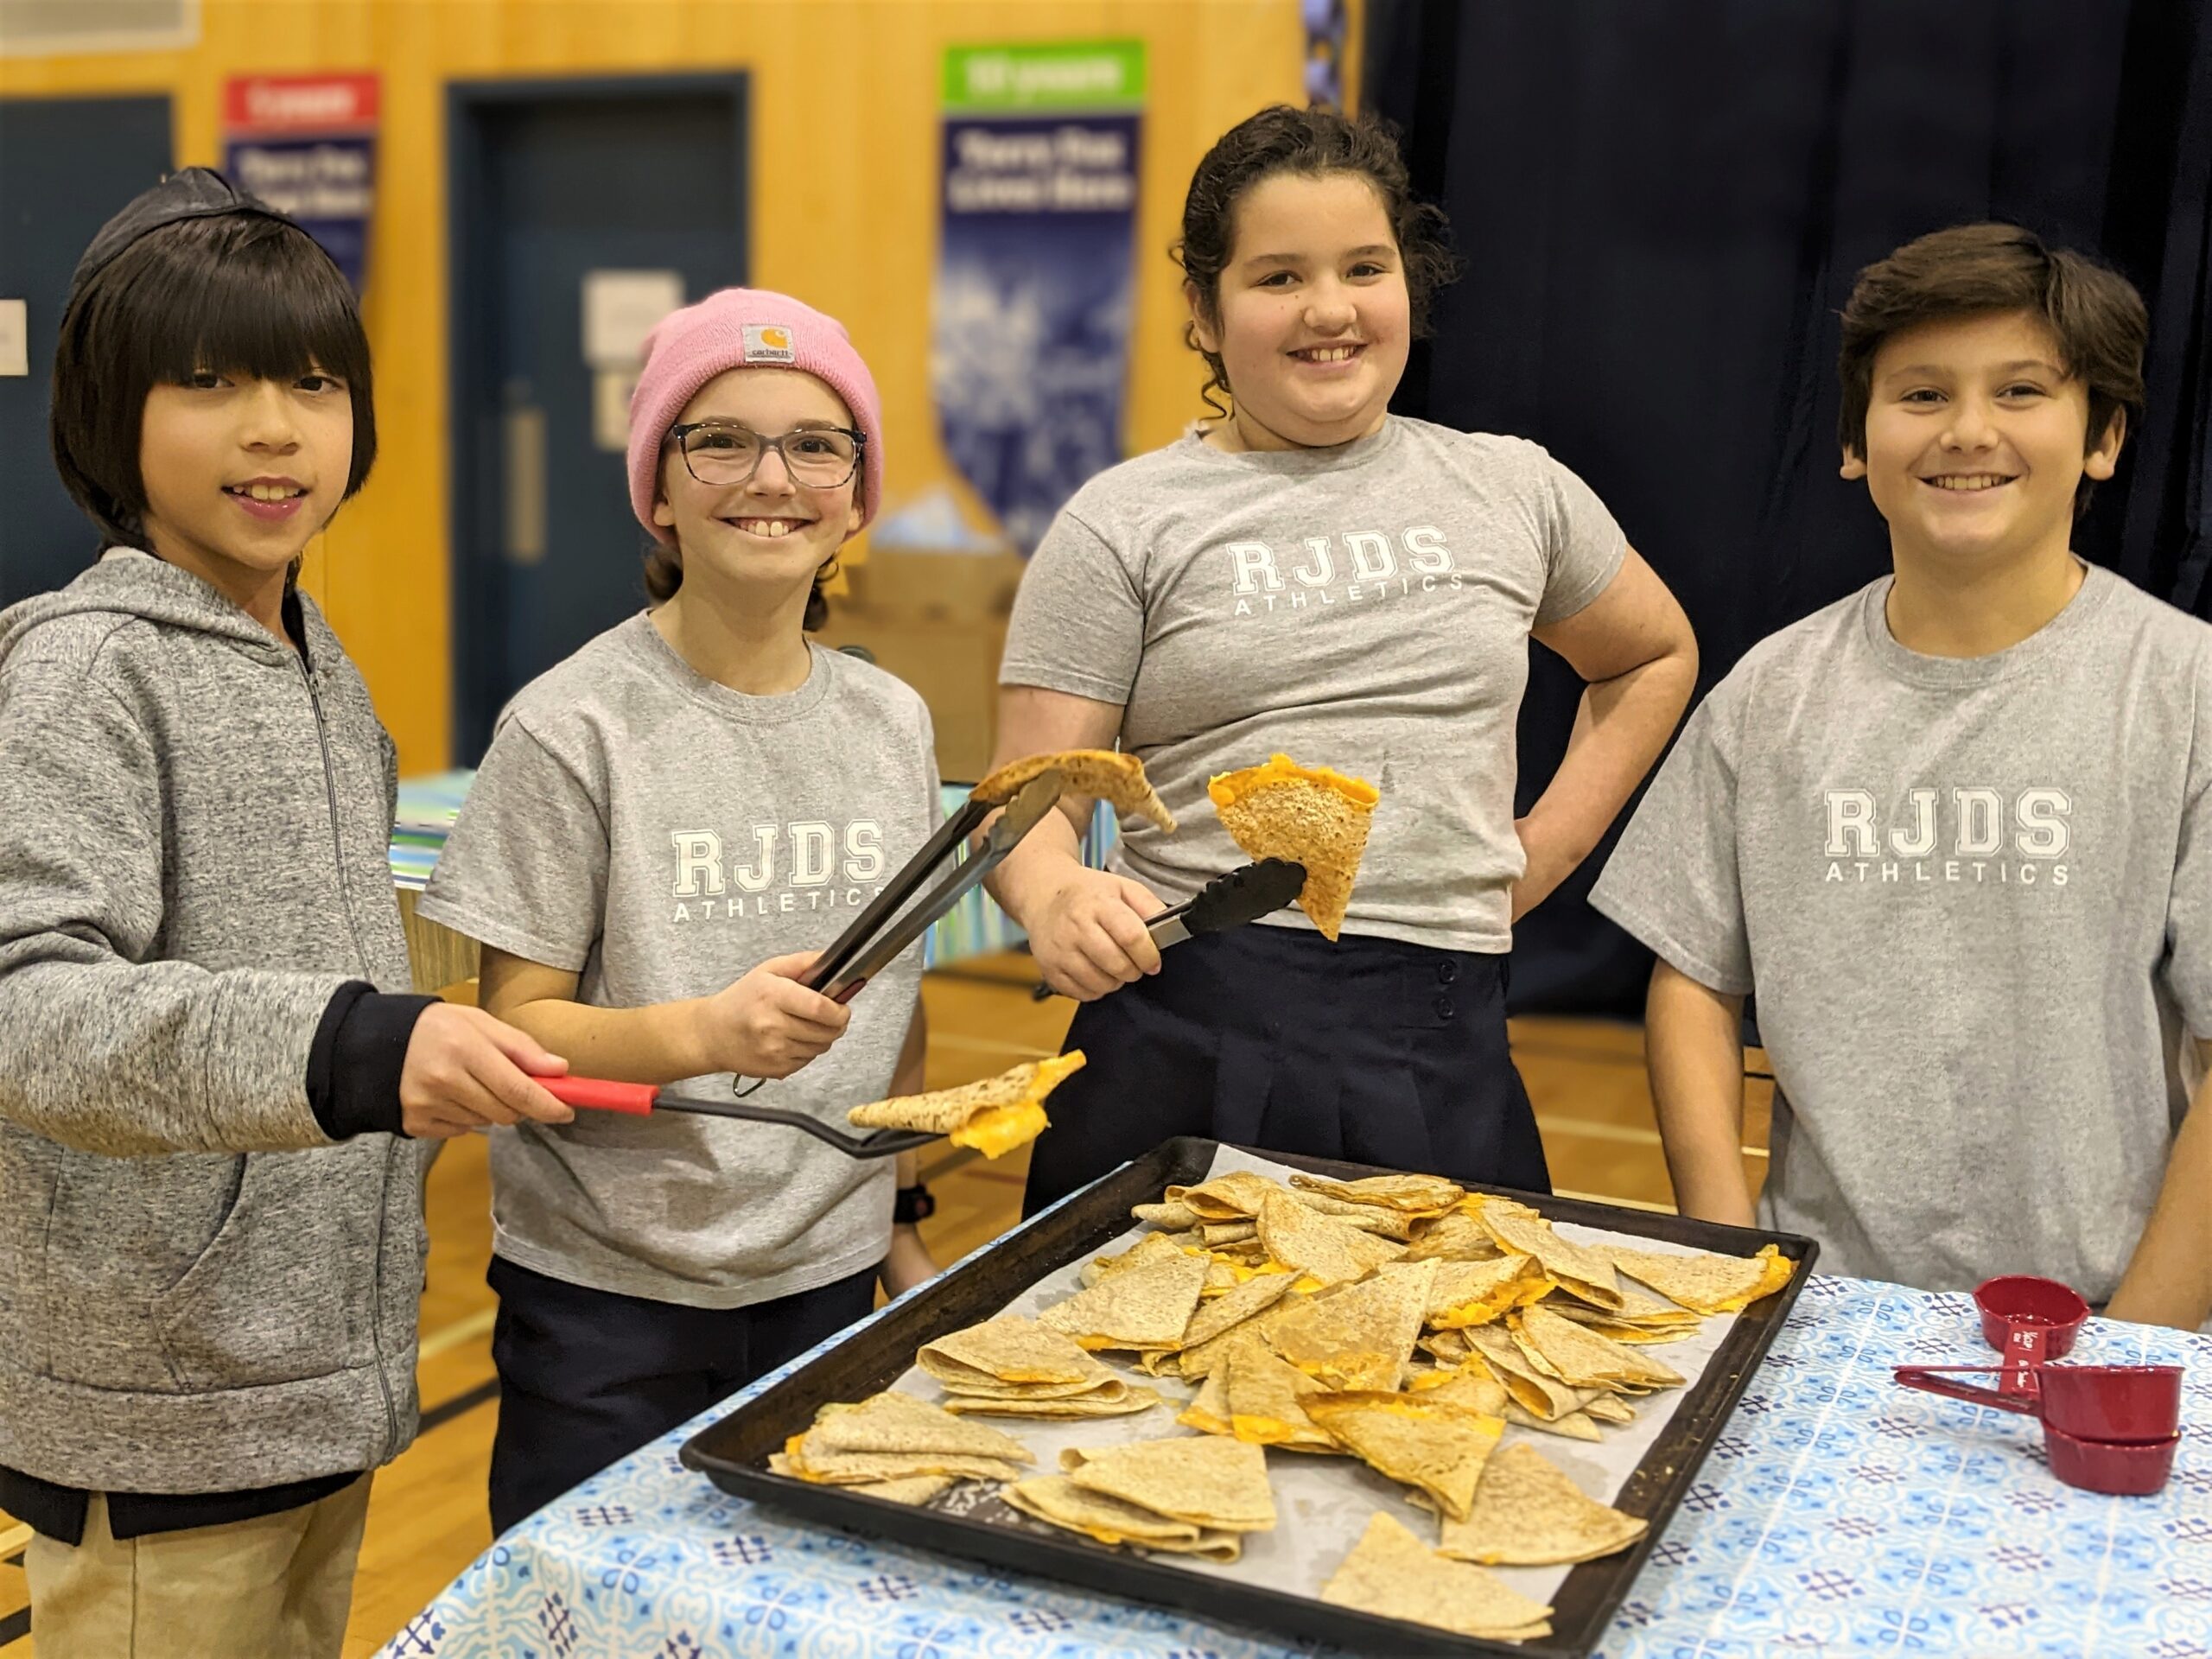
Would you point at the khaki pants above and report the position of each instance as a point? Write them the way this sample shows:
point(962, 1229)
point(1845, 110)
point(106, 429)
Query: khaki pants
point(277, 1587)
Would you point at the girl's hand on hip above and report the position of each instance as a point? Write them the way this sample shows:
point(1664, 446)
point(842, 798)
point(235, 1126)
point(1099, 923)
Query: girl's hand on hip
point(1089, 938)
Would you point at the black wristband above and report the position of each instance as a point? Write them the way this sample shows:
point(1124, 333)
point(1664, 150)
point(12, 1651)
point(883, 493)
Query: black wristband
point(910, 1204)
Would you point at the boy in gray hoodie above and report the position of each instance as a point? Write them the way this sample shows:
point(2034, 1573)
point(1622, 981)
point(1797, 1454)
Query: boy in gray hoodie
point(211, 1230)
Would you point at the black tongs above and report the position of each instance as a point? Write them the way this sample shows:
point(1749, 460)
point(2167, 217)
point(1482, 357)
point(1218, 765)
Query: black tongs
point(1243, 895)
point(641, 1099)
point(873, 942)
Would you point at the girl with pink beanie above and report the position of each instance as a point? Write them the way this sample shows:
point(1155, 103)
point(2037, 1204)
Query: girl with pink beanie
point(667, 829)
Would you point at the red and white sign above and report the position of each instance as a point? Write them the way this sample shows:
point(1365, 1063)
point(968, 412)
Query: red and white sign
point(267, 104)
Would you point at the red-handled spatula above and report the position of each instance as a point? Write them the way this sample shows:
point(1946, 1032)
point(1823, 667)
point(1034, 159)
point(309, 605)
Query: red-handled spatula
point(641, 1099)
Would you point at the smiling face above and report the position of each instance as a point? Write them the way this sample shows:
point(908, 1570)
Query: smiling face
point(1312, 318)
point(768, 536)
point(240, 473)
point(1975, 439)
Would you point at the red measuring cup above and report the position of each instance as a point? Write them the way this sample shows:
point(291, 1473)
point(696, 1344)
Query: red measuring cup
point(2029, 1320)
point(2125, 1404)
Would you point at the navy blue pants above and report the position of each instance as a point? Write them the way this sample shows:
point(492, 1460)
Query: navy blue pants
point(588, 1377)
point(1366, 1050)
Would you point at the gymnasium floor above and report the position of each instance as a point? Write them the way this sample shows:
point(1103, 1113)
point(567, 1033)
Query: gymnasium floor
point(427, 1519)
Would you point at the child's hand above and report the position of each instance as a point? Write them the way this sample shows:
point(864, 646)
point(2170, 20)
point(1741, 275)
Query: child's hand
point(466, 1070)
point(768, 1025)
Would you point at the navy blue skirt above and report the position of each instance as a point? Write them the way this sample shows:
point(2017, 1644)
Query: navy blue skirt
point(1366, 1049)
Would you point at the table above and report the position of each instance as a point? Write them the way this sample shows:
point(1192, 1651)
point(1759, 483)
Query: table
point(1838, 1514)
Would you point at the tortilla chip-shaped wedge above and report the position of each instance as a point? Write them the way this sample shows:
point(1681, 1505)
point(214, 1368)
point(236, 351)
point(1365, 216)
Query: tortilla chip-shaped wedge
point(1359, 1337)
point(1529, 1512)
point(1473, 1385)
point(1448, 1348)
point(1476, 1293)
point(1170, 1217)
point(1124, 1402)
point(1198, 1359)
point(1153, 1247)
point(1312, 815)
point(1232, 1308)
point(994, 1116)
point(1642, 1319)
point(1102, 774)
point(1587, 1272)
point(869, 1468)
point(1420, 1439)
point(1011, 1350)
point(894, 1422)
point(1265, 1398)
point(1609, 1408)
point(1234, 1197)
point(1208, 1411)
point(1368, 1218)
point(1058, 1501)
point(1144, 1306)
point(912, 1489)
point(1582, 1358)
point(1202, 1478)
point(1215, 1234)
point(1706, 1283)
point(1576, 1425)
point(1320, 1246)
point(1392, 1573)
point(1453, 1236)
point(1412, 1195)
point(1535, 1391)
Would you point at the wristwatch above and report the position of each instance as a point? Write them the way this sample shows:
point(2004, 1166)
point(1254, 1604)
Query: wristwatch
point(910, 1204)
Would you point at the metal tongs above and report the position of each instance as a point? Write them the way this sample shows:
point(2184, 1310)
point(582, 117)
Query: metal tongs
point(1231, 899)
point(871, 944)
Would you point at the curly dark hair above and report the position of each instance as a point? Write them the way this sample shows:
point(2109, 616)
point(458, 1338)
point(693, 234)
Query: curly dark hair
point(2095, 314)
point(1313, 143)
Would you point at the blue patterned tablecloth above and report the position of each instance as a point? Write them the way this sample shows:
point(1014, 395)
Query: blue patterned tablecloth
point(1838, 1514)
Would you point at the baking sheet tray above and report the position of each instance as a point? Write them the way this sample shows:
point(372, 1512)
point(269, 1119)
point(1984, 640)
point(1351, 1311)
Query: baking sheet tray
point(1644, 1468)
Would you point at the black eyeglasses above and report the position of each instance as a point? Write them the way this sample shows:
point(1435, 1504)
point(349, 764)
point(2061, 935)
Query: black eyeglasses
point(721, 453)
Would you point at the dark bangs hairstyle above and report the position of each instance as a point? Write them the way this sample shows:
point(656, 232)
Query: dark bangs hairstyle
point(236, 293)
point(1313, 143)
point(2092, 311)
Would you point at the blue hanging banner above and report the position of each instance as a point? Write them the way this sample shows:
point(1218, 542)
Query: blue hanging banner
point(1036, 271)
point(306, 144)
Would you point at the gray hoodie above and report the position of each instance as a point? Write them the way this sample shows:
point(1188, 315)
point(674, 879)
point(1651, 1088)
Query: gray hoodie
point(200, 1292)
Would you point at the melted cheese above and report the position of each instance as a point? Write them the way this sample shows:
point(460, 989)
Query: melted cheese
point(1000, 1129)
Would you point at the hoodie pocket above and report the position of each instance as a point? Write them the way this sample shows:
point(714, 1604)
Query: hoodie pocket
point(193, 1273)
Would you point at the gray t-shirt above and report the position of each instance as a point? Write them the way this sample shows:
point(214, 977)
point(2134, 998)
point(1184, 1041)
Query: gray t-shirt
point(1365, 607)
point(1972, 897)
point(661, 834)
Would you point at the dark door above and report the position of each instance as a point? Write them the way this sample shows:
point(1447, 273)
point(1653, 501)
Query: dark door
point(66, 165)
point(556, 188)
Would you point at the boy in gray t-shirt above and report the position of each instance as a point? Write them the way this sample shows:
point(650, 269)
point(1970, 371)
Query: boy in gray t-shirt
point(1953, 833)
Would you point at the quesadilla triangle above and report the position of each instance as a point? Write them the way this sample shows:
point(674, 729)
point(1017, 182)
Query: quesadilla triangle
point(1473, 1385)
point(1476, 1293)
point(1011, 1350)
point(1536, 1392)
point(1360, 1337)
point(1708, 1284)
point(1233, 1307)
point(1236, 1196)
point(1144, 1306)
point(1587, 1272)
point(1265, 1398)
point(1393, 1575)
point(1456, 1236)
point(995, 1115)
point(1124, 1400)
point(1201, 1478)
point(1060, 1502)
point(1418, 1438)
point(1324, 1248)
point(1529, 1512)
point(1414, 1195)
point(1582, 1358)
point(1311, 817)
point(913, 1490)
point(1102, 774)
point(895, 1423)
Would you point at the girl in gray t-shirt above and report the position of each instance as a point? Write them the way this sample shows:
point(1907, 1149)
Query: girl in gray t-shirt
point(1310, 575)
point(669, 826)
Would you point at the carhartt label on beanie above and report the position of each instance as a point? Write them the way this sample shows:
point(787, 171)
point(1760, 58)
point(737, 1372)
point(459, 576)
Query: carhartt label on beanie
point(767, 343)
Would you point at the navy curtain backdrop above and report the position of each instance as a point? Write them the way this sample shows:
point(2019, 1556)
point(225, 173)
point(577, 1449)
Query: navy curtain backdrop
point(1661, 208)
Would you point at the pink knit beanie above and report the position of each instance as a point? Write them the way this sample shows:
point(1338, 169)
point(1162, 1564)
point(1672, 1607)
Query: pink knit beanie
point(738, 328)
